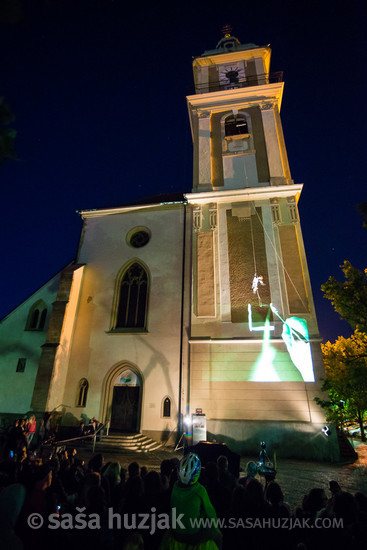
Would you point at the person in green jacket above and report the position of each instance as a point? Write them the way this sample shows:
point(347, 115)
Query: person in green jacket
point(190, 502)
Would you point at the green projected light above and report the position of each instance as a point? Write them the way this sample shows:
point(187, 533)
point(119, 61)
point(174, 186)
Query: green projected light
point(296, 338)
point(264, 328)
point(263, 370)
point(277, 360)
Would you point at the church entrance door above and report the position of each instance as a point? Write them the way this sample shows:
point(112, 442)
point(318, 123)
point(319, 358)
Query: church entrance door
point(125, 408)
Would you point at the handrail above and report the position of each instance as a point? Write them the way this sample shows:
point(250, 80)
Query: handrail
point(94, 435)
point(56, 443)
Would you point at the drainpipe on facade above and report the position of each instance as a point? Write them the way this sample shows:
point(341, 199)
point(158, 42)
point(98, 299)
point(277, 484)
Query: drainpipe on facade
point(180, 426)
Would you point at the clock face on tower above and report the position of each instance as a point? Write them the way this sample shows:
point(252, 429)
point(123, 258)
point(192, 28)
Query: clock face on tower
point(231, 74)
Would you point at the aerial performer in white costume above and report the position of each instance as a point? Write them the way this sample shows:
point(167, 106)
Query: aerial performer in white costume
point(257, 280)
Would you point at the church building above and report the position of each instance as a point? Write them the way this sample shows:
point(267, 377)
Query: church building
point(200, 301)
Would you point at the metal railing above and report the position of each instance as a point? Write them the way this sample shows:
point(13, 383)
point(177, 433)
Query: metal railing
point(84, 437)
point(251, 80)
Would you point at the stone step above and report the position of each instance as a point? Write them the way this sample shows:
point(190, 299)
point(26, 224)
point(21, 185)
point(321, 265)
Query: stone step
point(125, 436)
point(125, 444)
point(116, 443)
point(117, 446)
point(139, 437)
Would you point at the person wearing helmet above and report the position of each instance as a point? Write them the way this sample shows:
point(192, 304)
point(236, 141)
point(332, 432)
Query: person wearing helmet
point(191, 499)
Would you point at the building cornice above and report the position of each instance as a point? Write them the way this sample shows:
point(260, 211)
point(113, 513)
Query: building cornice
point(248, 194)
point(232, 341)
point(235, 56)
point(231, 195)
point(123, 209)
point(251, 96)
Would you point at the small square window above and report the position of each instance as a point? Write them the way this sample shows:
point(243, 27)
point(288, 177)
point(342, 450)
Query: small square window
point(21, 365)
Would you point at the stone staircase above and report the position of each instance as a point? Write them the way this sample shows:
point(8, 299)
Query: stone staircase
point(117, 443)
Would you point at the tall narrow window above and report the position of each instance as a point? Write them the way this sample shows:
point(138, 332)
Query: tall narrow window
point(292, 207)
point(275, 211)
point(21, 364)
point(81, 399)
point(41, 324)
point(236, 125)
point(37, 316)
point(34, 319)
point(167, 407)
point(197, 218)
point(132, 304)
point(213, 216)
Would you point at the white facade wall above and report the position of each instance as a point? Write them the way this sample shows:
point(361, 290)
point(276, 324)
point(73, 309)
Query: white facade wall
point(16, 388)
point(154, 355)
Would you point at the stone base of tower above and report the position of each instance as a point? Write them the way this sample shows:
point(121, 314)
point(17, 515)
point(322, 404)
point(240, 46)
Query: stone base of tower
point(304, 440)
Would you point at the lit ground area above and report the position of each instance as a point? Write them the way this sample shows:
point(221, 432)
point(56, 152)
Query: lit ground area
point(296, 477)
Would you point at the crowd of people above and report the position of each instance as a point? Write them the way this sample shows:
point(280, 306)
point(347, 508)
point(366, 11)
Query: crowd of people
point(89, 429)
point(22, 435)
point(27, 434)
point(63, 485)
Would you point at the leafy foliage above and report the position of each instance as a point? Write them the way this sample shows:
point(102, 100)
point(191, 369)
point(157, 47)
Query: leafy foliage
point(349, 298)
point(346, 379)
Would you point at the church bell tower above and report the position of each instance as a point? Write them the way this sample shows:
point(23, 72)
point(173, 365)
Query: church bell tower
point(238, 139)
point(255, 355)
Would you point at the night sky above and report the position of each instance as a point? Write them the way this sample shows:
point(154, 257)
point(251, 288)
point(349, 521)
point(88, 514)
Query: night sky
point(98, 90)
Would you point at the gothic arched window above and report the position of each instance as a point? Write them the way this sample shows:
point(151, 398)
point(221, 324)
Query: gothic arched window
point(132, 299)
point(81, 398)
point(167, 407)
point(236, 125)
point(37, 316)
point(34, 319)
point(42, 319)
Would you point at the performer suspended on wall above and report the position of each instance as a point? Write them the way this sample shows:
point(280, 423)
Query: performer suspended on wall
point(256, 281)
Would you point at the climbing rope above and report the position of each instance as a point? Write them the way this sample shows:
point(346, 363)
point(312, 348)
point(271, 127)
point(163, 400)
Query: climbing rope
point(279, 258)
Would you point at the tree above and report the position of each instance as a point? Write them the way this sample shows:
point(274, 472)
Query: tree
point(349, 298)
point(346, 379)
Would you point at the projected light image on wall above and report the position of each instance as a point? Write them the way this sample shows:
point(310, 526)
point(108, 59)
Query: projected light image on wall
point(260, 256)
point(285, 352)
point(272, 361)
point(285, 359)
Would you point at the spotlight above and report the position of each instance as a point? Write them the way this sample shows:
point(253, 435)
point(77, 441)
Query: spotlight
point(187, 421)
point(325, 430)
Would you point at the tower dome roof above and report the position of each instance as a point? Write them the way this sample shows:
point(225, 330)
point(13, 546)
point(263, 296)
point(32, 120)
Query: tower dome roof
point(229, 43)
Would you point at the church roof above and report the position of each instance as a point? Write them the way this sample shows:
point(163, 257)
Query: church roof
point(158, 199)
point(163, 198)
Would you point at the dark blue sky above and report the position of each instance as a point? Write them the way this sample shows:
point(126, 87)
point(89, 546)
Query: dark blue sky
point(98, 89)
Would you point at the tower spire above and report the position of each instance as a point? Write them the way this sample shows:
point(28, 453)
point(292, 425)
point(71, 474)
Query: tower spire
point(228, 42)
point(226, 30)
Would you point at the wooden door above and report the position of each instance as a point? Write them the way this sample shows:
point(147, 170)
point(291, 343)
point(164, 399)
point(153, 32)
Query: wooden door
point(125, 408)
